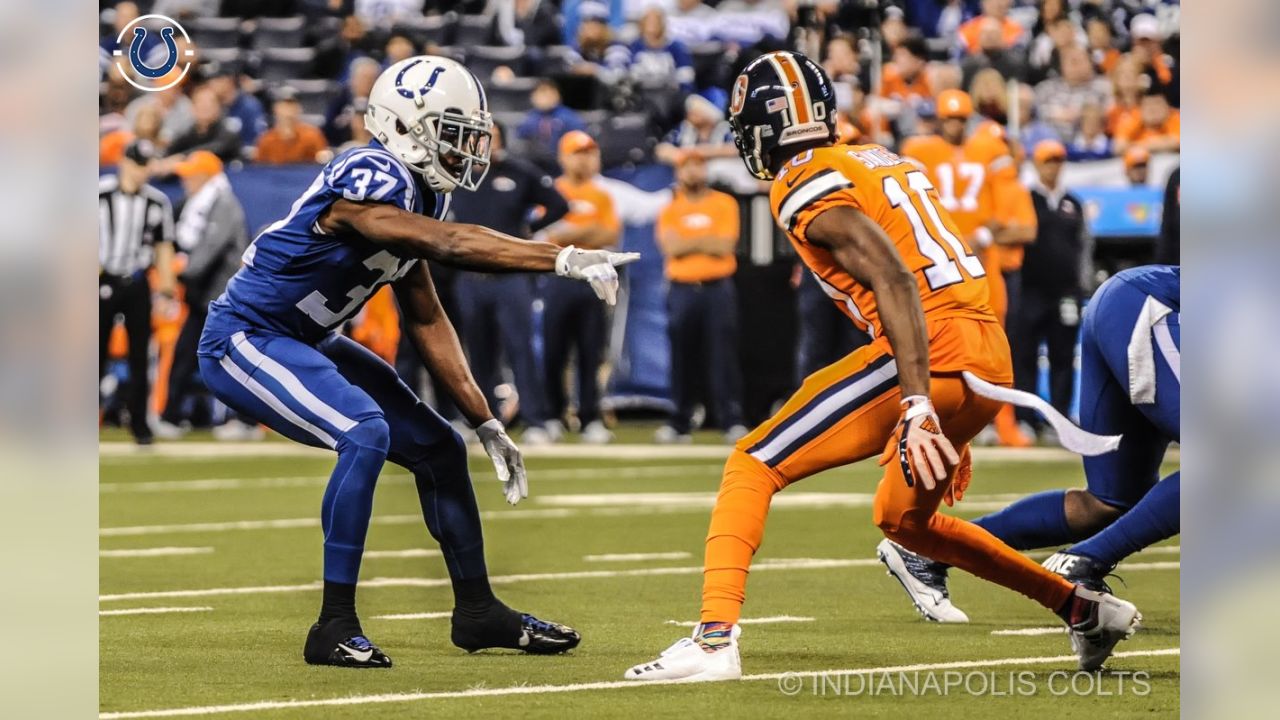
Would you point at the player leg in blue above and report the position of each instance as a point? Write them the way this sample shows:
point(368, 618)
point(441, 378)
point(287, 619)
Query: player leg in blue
point(424, 443)
point(296, 391)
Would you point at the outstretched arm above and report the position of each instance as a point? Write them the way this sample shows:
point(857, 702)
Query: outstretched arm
point(471, 247)
point(866, 253)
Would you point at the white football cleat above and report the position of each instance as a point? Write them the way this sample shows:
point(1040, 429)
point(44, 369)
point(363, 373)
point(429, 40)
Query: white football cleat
point(1098, 624)
point(686, 661)
point(924, 580)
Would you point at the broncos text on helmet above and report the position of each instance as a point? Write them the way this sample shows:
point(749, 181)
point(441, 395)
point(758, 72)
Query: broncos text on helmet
point(781, 98)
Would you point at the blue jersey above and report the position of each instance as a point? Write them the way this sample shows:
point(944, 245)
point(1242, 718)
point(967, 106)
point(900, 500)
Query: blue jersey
point(1162, 282)
point(302, 282)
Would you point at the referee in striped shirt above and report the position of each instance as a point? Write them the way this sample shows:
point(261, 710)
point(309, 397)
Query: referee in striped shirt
point(135, 231)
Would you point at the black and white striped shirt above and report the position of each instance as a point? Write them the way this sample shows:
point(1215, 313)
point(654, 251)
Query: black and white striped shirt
point(129, 226)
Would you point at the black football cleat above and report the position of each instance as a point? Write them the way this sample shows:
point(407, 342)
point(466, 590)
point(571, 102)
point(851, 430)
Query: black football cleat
point(502, 627)
point(337, 643)
point(1080, 570)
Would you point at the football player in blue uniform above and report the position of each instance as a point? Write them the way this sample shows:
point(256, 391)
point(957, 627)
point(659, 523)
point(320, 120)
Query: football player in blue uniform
point(1130, 385)
point(270, 349)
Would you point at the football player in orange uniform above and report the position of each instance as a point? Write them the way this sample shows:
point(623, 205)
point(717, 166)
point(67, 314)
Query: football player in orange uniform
point(977, 182)
point(872, 229)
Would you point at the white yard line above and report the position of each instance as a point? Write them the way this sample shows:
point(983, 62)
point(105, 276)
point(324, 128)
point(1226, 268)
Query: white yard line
point(637, 504)
point(1032, 631)
point(117, 451)
point(416, 616)
point(584, 687)
point(761, 566)
point(154, 552)
point(410, 553)
point(636, 557)
point(537, 476)
point(154, 610)
point(749, 621)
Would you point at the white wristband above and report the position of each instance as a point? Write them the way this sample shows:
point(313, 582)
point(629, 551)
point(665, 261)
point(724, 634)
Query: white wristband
point(915, 406)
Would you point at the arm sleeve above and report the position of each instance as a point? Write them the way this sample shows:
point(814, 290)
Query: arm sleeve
point(370, 176)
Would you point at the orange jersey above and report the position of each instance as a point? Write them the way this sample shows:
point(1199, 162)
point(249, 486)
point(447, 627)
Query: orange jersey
point(899, 198)
point(714, 214)
point(589, 204)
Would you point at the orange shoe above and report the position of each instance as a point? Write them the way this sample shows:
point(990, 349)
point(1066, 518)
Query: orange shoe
point(1008, 431)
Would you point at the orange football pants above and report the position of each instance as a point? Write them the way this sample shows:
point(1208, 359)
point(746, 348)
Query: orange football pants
point(842, 414)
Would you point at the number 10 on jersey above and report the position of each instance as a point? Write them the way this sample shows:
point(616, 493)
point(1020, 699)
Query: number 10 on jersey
point(931, 236)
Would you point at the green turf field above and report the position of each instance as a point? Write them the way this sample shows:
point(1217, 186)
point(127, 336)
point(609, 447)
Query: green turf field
point(235, 539)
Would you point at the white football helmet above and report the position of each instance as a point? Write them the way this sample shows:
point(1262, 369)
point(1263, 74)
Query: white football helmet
point(432, 113)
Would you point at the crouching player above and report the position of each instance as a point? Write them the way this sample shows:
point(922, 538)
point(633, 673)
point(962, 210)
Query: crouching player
point(871, 227)
point(270, 351)
point(1130, 385)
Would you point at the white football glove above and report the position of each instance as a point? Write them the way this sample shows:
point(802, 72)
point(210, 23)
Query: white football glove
point(596, 267)
point(919, 445)
point(507, 460)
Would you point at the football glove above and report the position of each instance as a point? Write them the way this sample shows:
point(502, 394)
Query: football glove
point(919, 445)
point(507, 460)
point(597, 267)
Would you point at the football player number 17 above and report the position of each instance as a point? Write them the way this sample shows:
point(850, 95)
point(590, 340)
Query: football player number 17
point(943, 271)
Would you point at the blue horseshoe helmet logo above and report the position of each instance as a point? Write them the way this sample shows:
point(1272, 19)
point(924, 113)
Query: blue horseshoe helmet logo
point(407, 93)
point(135, 53)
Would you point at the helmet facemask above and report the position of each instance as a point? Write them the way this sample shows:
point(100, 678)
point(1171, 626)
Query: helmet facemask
point(747, 139)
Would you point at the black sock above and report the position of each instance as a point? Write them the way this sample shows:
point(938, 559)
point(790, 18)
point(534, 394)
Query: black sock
point(473, 597)
point(339, 602)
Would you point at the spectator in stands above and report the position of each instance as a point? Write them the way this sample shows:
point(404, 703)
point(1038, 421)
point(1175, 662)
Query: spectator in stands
point(290, 140)
point(360, 135)
point(245, 113)
point(1127, 86)
point(995, 14)
point(692, 21)
point(654, 62)
point(1102, 49)
point(993, 51)
point(894, 30)
point(744, 23)
point(990, 96)
point(210, 130)
point(1092, 142)
point(1144, 30)
point(339, 116)
point(1044, 58)
point(527, 23)
point(593, 41)
point(1031, 129)
point(384, 13)
point(1060, 100)
point(1157, 126)
point(336, 53)
point(698, 235)
point(173, 105)
point(1054, 269)
point(1137, 161)
point(399, 47)
point(124, 14)
point(703, 130)
point(905, 83)
point(841, 63)
point(186, 9)
point(548, 120)
point(573, 319)
point(945, 76)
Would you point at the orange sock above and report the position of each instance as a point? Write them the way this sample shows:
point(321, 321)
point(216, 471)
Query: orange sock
point(737, 528)
point(966, 546)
